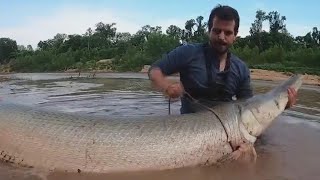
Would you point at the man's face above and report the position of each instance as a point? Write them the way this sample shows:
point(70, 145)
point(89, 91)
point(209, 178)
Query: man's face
point(222, 35)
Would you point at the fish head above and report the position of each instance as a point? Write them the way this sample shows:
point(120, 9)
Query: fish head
point(258, 112)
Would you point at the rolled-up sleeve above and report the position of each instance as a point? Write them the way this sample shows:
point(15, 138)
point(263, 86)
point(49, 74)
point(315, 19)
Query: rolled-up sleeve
point(174, 61)
point(245, 89)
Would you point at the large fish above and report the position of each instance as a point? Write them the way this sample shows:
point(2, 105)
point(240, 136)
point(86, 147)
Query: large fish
point(75, 142)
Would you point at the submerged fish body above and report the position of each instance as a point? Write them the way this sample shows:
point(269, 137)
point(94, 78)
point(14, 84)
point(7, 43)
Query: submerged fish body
point(52, 140)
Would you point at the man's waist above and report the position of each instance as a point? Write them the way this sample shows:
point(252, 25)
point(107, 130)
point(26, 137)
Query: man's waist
point(208, 94)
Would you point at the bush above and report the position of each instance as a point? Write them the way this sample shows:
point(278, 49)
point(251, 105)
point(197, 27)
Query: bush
point(273, 55)
point(250, 56)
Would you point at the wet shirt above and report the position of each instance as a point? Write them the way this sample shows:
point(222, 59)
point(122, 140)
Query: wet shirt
point(198, 67)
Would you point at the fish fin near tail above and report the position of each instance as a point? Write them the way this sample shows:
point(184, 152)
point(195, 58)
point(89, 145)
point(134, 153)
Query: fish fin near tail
point(294, 81)
point(245, 153)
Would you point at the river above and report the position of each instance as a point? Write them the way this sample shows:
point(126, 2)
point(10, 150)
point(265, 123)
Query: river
point(289, 149)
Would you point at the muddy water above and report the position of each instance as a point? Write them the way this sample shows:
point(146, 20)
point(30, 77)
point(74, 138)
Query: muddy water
point(289, 149)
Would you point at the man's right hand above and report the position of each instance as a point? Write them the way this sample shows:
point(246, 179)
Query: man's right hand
point(170, 89)
point(174, 90)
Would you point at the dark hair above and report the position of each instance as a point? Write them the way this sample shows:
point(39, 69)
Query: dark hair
point(225, 13)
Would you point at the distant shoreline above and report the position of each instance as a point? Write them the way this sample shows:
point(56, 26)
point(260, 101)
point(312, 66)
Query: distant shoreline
point(256, 74)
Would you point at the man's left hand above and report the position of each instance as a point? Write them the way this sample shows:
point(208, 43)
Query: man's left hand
point(292, 97)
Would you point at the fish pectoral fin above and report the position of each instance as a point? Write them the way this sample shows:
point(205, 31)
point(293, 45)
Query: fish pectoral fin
point(244, 153)
point(247, 153)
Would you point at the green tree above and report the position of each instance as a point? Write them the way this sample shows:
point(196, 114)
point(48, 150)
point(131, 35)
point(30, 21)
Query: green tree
point(189, 26)
point(275, 49)
point(256, 26)
point(29, 48)
point(277, 23)
point(8, 48)
point(200, 34)
point(175, 32)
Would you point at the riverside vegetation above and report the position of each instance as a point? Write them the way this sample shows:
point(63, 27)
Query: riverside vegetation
point(275, 49)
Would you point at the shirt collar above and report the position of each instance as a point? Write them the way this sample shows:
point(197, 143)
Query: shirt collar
point(213, 57)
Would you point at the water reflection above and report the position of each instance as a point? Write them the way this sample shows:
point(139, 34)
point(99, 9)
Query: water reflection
point(119, 96)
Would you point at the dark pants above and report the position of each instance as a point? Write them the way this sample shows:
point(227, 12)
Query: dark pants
point(190, 106)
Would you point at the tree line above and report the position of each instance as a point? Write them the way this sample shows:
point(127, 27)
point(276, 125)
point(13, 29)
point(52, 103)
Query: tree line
point(275, 49)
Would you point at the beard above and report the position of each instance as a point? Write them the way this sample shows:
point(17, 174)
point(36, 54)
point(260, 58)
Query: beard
point(220, 47)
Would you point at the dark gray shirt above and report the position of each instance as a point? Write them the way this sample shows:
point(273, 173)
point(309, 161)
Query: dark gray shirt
point(200, 75)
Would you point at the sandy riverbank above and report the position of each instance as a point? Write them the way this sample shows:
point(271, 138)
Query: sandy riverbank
point(256, 74)
point(259, 74)
point(268, 75)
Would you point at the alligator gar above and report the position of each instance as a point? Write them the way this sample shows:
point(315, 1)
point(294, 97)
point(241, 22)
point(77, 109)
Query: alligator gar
point(73, 142)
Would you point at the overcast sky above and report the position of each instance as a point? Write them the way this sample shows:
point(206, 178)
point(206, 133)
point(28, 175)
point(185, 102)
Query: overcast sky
point(28, 22)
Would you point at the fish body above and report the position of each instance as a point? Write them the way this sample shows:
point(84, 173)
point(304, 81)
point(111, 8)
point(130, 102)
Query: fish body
point(73, 142)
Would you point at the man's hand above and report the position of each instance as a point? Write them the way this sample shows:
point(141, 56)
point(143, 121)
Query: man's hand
point(174, 90)
point(292, 97)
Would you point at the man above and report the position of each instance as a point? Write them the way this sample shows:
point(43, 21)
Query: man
point(208, 71)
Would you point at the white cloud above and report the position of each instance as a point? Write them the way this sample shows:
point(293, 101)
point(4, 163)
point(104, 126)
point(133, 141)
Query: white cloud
point(298, 29)
point(166, 23)
point(243, 30)
point(76, 20)
point(67, 20)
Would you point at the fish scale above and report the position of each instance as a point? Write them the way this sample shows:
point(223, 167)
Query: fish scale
point(69, 135)
point(53, 140)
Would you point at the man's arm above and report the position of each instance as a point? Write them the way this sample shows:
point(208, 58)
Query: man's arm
point(158, 78)
point(170, 63)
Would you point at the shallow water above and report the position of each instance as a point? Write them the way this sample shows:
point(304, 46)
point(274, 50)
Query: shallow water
point(287, 150)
